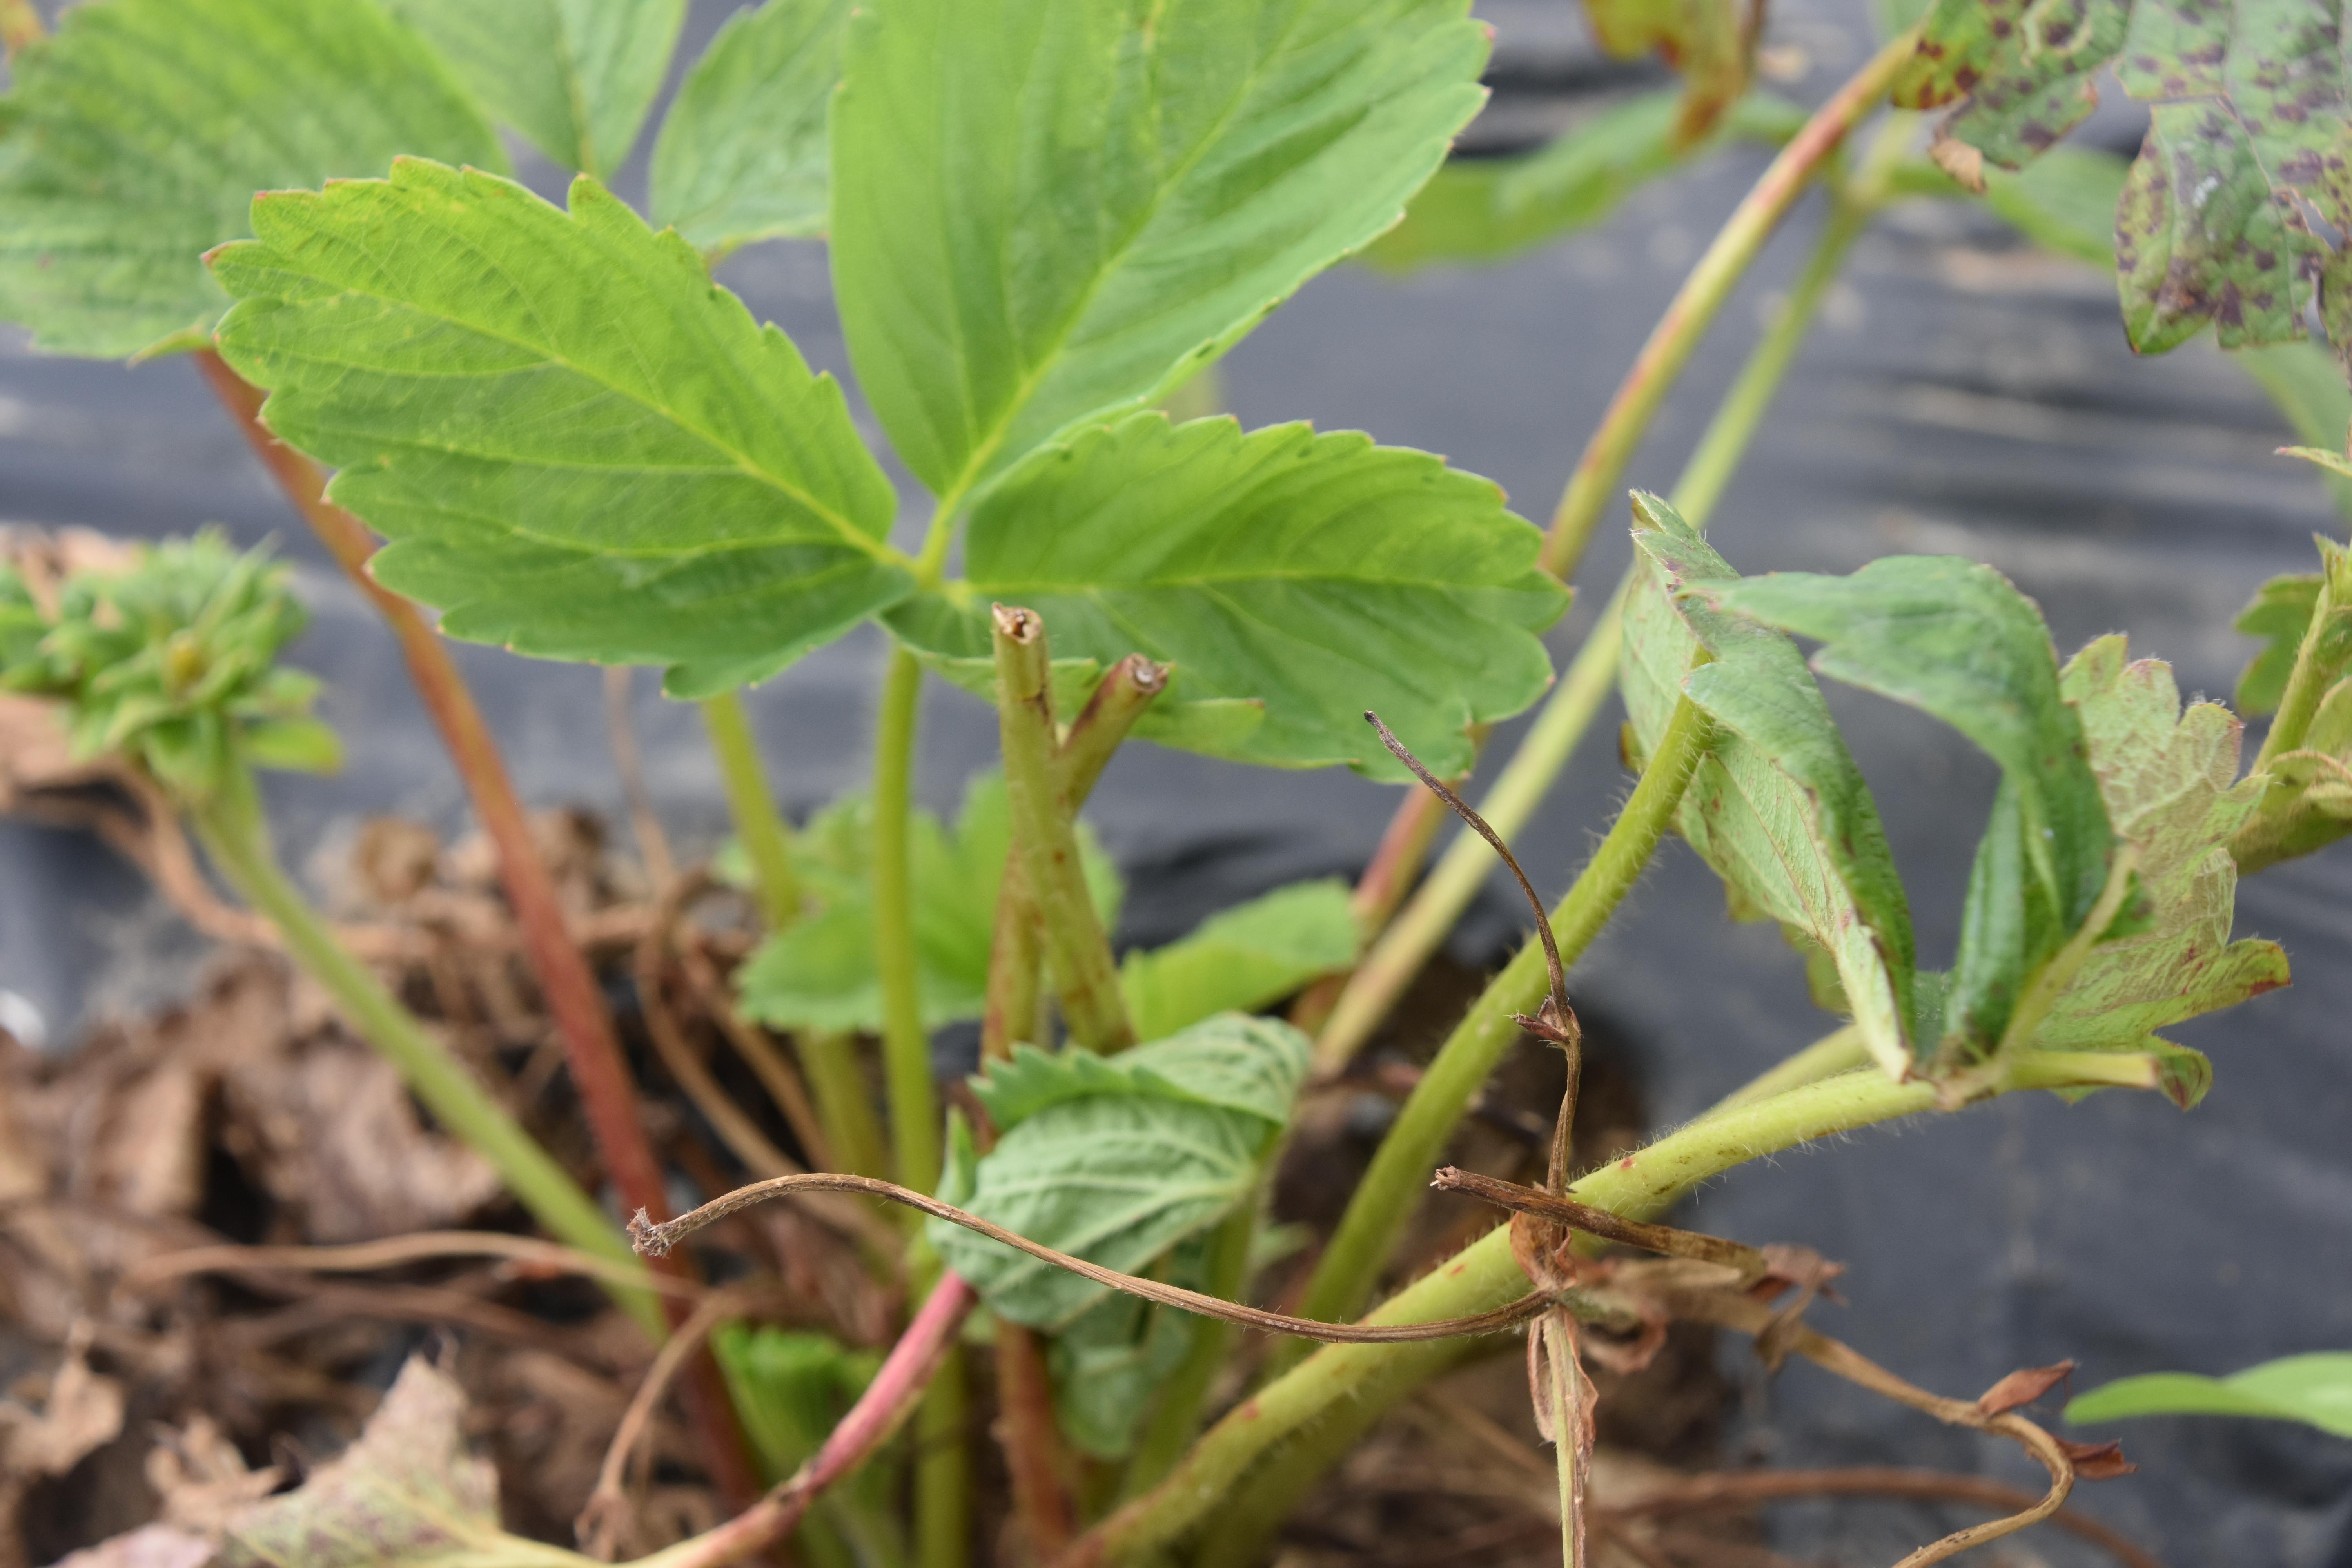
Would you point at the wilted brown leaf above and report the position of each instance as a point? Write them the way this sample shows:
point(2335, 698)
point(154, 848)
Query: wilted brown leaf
point(2022, 1388)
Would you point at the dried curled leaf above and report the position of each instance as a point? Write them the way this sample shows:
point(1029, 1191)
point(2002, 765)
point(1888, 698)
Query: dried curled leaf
point(1711, 42)
point(406, 1494)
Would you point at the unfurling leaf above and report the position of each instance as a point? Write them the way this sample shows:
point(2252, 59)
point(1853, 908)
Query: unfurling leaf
point(574, 443)
point(406, 1493)
point(134, 139)
point(1058, 210)
point(1315, 575)
point(742, 155)
point(819, 972)
point(1114, 1159)
point(1956, 639)
point(575, 77)
point(1777, 807)
point(1242, 958)
point(1488, 209)
point(2314, 1389)
point(2169, 780)
point(1711, 42)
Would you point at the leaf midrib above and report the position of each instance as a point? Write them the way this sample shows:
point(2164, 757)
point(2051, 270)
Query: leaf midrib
point(985, 450)
point(880, 550)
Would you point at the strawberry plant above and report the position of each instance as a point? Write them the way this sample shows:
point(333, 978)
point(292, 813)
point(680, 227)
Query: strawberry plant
point(1046, 222)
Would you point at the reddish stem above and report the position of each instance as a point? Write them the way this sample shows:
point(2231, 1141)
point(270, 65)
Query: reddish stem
point(1032, 1448)
point(887, 1402)
point(599, 1071)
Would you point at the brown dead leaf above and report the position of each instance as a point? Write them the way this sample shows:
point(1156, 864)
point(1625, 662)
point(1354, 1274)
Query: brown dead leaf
point(330, 1133)
point(395, 860)
point(148, 1152)
point(202, 1477)
point(407, 1490)
point(82, 1414)
point(2023, 1386)
point(2098, 1461)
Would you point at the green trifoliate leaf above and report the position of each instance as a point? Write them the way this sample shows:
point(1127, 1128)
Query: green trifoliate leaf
point(134, 139)
point(1487, 209)
point(1316, 576)
point(1049, 211)
point(742, 154)
point(1711, 42)
point(575, 442)
point(2314, 1389)
point(1955, 639)
point(575, 77)
point(820, 974)
point(1251, 1067)
point(1777, 807)
point(408, 1493)
point(172, 664)
point(1243, 959)
point(1116, 1167)
point(2169, 780)
point(2024, 68)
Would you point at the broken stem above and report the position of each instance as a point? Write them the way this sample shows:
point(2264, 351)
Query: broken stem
point(1385, 1199)
point(1079, 953)
point(1319, 1408)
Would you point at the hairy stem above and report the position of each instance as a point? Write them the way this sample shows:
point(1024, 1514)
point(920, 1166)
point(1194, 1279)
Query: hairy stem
point(1841, 1050)
point(905, 1045)
point(1703, 293)
point(767, 841)
point(2308, 683)
point(237, 837)
point(591, 1050)
point(1436, 906)
point(1385, 1199)
point(1084, 971)
point(1332, 1397)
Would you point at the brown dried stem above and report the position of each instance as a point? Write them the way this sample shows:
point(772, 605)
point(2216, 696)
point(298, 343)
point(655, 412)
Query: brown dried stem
point(360, 1257)
point(653, 1239)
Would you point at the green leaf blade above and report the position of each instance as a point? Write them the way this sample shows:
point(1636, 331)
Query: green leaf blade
point(2314, 1388)
point(1242, 958)
point(136, 136)
point(1047, 211)
point(575, 445)
point(742, 155)
point(1778, 807)
point(1956, 640)
point(575, 77)
point(1316, 576)
point(1115, 1159)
